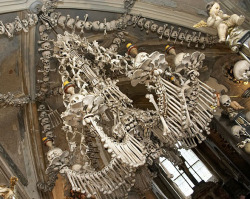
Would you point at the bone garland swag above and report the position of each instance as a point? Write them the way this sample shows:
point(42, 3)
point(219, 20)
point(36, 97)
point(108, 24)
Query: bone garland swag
point(182, 109)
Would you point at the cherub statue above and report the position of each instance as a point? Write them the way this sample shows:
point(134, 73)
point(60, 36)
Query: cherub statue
point(217, 19)
point(222, 22)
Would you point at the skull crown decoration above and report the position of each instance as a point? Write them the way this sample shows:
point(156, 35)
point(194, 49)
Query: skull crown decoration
point(97, 110)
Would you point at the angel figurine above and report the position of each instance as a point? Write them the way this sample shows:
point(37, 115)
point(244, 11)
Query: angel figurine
point(222, 22)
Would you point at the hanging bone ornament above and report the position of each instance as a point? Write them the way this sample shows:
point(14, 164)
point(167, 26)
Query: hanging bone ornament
point(96, 109)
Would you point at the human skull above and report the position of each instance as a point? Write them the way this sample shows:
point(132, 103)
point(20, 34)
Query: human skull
point(147, 25)
point(188, 38)
point(46, 54)
point(46, 127)
point(96, 25)
point(141, 22)
point(61, 21)
point(18, 26)
point(46, 62)
point(88, 25)
point(46, 68)
point(236, 130)
point(167, 33)
point(113, 47)
point(108, 26)
point(49, 134)
point(174, 34)
point(54, 153)
point(225, 100)
point(76, 101)
point(42, 28)
point(80, 24)
point(31, 21)
point(25, 23)
point(160, 30)
point(45, 36)
point(45, 121)
point(41, 107)
point(241, 70)
point(46, 79)
point(181, 36)
point(113, 25)
point(42, 115)
point(70, 23)
point(117, 41)
point(154, 27)
point(46, 46)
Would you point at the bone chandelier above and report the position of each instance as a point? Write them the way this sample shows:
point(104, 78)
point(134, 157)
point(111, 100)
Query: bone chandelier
point(98, 112)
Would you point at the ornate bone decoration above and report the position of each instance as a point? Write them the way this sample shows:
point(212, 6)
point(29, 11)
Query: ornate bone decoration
point(181, 112)
point(101, 115)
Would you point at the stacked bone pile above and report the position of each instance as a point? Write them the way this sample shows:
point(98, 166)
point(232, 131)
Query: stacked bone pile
point(92, 100)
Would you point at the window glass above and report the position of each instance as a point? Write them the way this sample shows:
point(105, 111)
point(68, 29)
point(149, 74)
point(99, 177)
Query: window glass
point(195, 166)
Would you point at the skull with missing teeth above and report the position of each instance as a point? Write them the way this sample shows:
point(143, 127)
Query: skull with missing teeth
point(225, 100)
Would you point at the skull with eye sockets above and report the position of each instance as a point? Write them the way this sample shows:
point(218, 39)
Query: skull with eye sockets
point(225, 100)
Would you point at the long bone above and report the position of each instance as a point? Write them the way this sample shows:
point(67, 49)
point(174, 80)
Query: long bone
point(206, 87)
point(129, 153)
point(174, 88)
point(202, 137)
point(78, 182)
point(106, 183)
point(103, 175)
point(83, 185)
point(202, 109)
point(74, 187)
point(175, 130)
point(108, 172)
point(136, 152)
point(165, 127)
point(180, 128)
point(205, 98)
point(211, 97)
point(74, 180)
point(116, 175)
point(89, 189)
point(205, 104)
point(200, 119)
point(197, 128)
point(204, 115)
point(174, 111)
point(98, 184)
point(171, 113)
